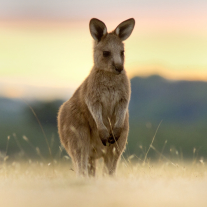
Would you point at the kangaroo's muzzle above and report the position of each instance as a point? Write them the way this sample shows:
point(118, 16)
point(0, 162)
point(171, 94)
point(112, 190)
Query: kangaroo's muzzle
point(118, 68)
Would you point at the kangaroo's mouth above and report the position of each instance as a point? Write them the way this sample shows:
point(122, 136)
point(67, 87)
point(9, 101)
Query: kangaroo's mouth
point(118, 72)
point(118, 69)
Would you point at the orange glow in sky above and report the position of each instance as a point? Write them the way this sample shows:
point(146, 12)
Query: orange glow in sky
point(59, 54)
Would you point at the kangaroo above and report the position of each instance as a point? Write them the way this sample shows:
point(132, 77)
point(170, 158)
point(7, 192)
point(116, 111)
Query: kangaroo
point(94, 122)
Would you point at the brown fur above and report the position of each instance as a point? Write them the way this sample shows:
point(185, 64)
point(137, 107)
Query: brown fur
point(93, 123)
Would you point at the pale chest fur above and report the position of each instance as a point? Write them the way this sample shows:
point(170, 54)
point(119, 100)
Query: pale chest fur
point(111, 92)
point(110, 97)
point(108, 91)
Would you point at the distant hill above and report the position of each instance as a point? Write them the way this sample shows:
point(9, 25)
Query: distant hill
point(11, 110)
point(155, 98)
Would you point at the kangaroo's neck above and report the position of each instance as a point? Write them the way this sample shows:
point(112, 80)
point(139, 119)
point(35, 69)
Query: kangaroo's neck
point(99, 78)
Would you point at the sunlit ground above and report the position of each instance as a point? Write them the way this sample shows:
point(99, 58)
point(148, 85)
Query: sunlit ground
point(153, 184)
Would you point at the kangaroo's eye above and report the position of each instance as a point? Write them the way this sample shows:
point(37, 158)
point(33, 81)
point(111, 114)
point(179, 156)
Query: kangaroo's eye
point(122, 53)
point(106, 53)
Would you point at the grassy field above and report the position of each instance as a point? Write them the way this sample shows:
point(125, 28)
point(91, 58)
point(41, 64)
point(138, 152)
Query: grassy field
point(153, 184)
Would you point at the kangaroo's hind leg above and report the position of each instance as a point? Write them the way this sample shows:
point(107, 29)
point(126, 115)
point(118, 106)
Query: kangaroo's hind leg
point(78, 149)
point(114, 153)
point(91, 166)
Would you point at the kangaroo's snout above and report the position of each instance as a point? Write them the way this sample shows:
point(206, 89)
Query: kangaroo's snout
point(118, 67)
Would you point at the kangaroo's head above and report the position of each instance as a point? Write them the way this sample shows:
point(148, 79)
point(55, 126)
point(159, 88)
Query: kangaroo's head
point(109, 47)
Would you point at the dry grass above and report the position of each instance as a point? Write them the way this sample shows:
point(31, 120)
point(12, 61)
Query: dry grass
point(164, 184)
point(141, 183)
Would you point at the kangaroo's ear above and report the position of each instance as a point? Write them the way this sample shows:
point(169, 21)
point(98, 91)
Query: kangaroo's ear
point(124, 30)
point(97, 28)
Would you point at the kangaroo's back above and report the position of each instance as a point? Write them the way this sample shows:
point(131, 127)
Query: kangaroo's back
point(93, 123)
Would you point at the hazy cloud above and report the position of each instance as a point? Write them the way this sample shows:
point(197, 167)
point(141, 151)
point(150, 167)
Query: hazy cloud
point(86, 9)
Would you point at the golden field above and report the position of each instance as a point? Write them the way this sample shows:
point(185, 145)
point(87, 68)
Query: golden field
point(136, 184)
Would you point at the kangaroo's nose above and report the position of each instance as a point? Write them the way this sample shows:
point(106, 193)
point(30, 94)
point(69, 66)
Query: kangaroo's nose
point(118, 68)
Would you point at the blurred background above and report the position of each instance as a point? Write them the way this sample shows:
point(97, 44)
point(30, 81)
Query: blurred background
point(46, 52)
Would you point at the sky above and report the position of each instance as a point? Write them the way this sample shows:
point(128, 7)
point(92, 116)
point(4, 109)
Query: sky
point(46, 47)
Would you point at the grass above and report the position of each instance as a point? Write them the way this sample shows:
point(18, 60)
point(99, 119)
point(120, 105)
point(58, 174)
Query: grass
point(36, 183)
point(139, 182)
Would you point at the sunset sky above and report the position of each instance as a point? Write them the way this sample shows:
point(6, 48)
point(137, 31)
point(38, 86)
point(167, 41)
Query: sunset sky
point(46, 49)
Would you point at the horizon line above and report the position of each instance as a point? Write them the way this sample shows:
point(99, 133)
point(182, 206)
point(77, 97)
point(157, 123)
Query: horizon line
point(23, 91)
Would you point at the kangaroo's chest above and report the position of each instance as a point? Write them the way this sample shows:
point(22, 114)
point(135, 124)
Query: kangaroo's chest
point(110, 97)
